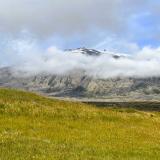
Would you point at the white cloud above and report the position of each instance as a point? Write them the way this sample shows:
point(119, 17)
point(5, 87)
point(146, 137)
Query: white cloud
point(27, 56)
point(69, 17)
point(116, 44)
point(44, 17)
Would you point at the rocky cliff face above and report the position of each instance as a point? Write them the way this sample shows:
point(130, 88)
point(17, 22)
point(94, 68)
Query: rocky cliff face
point(78, 84)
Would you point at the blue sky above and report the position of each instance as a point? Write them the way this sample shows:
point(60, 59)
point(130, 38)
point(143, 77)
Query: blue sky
point(118, 25)
point(141, 27)
point(34, 33)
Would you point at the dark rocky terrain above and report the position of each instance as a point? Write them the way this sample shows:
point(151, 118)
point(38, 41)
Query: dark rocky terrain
point(78, 84)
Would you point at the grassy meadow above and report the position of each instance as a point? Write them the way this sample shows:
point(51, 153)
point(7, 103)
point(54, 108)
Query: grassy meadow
point(33, 127)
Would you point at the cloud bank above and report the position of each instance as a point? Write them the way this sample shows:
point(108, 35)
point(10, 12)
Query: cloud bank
point(66, 17)
point(26, 55)
point(88, 21)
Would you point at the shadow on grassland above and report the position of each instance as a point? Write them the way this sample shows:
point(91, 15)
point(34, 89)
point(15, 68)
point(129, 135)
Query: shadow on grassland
point(142, 106)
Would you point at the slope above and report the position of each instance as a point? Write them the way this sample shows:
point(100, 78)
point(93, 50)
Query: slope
point(35, 127)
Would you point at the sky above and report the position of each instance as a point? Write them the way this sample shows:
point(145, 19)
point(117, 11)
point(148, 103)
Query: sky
point(76, 23)
point(35, 26)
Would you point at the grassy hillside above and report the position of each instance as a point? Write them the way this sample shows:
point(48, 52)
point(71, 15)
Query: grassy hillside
point(34, 127)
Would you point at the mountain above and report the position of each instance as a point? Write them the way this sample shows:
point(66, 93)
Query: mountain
point(85, 51)
point(93, 52)
point(77, 84)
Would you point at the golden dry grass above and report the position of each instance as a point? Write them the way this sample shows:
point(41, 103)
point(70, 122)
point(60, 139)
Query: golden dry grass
point(34, 127)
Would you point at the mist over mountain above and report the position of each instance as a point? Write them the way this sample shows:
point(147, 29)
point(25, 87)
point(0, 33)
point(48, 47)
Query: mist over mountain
point(27, 56)
point(88, 73)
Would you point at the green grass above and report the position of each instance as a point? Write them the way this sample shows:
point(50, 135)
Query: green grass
point(34, 127)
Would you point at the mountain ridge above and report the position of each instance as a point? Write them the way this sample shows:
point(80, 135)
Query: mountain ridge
point(78, 84)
